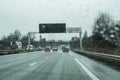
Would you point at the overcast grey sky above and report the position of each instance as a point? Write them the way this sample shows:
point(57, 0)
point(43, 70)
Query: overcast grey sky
point(26, 15)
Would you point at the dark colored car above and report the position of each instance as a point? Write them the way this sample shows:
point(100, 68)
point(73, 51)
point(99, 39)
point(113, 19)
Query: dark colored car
point(64, 49)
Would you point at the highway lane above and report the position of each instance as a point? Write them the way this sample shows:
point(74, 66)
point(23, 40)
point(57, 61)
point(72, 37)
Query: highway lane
point(54, 66)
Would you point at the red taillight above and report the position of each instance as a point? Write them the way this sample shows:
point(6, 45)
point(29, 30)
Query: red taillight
point(47, 49)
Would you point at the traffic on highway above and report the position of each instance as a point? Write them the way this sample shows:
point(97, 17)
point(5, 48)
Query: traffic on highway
point(42, 65)
point(59, 40)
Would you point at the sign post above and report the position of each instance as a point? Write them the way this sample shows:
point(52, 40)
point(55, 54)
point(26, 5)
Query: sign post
point(80, 36)
point(76, 30)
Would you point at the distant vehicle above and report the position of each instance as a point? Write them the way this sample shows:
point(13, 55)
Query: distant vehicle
point(39, 49)
point(30, 47)
point(64, 49)
point(55, 48)
point(16, 46)
point(47, 49)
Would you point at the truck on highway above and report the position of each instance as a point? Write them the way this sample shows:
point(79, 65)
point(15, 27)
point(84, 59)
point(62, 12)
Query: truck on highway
point(16, 46)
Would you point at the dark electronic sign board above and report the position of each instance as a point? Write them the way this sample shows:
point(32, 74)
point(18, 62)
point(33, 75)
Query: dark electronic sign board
point(52, 28)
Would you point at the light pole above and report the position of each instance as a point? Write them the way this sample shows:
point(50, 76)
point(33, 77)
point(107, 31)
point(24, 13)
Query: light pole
point(29, 36)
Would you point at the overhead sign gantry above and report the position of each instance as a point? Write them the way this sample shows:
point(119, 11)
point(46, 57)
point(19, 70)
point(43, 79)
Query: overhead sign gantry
point(57, 28)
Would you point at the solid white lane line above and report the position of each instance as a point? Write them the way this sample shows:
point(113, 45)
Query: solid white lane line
point(33, 64)
point(87, 70)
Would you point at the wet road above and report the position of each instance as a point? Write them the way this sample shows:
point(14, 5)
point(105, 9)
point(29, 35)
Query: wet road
point(54, 66)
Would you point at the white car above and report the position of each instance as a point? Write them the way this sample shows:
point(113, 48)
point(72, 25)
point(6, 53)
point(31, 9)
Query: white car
point(30, 47)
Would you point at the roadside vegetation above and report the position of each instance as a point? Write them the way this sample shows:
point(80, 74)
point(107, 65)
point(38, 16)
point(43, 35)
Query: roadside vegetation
point(105, 36)
point(15, 36)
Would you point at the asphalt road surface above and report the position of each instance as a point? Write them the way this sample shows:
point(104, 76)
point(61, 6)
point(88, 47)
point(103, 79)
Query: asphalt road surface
point(54, 66)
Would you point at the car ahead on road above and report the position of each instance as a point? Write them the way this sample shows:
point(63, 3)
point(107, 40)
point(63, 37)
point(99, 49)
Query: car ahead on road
point(30, 48)
point(47, 49)
point(54, 49)
point(39, 49)
point(64, 49)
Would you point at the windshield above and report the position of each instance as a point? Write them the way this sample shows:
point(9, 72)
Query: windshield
point(59, 40)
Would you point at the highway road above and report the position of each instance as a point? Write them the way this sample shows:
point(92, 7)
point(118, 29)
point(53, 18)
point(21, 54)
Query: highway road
point(54, 66)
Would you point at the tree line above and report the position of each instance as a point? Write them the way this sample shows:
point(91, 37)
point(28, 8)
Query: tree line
point(15, 36)
point(105, 34)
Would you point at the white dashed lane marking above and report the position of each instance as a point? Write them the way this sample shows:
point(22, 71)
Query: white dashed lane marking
point(32, 64)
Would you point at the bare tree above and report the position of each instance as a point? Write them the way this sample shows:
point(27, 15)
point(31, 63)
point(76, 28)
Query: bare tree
point(106, 28)
point(85, 35)
point(32, 36)
point(17, 35)
point(102, 22)
point(74, 43)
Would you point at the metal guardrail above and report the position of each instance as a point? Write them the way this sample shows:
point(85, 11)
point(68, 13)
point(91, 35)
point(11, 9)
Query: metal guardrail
point(115, 57)
point(113, 60)
point(4, 52)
